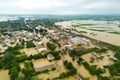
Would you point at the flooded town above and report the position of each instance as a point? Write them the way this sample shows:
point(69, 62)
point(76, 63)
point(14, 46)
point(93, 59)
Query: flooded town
point(69, 50)
point(59, 40)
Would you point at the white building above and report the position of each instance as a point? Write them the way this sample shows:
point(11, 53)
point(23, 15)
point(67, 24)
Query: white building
point(50, 57)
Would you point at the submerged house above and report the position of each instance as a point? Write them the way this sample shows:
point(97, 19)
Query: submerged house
point(79, 49)
point(80, 77)
point(47, 67)
point(41, 48)
point(50, 57)
point(4, 45)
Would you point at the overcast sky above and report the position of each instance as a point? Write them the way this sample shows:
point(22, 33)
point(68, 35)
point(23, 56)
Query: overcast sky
point(59, 6)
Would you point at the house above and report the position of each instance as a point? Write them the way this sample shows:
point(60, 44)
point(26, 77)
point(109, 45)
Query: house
point(41, 48)
point(78, 49)
point(13, 40)
point(47, 67)
point(50, 57)
point(4, 45)
point(92, 57)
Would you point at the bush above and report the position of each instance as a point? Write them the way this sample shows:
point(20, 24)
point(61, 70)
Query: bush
point(51, 46)
point(30, 44)
point(22, 58)
point(117, 54)
point(93, 69)
point(102, 78)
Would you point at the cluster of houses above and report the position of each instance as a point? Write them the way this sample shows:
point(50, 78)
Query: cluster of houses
point(3, 45)
point(17, 37)
point(69, 41)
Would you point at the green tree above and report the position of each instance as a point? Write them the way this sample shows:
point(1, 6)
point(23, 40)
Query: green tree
point(30, 44)
point(51, 46)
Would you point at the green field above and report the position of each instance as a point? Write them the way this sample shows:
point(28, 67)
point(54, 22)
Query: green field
point(92, 27)
point(98, 30)
point(115, 32)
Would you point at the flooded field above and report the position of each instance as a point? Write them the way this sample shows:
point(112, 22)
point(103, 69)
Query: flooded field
point(4, 75)
point(80, 69)
point(99, 62)
point(29, 51)
point(50, 74)
point(100, 28)
point(103, 36)
point(60, 68)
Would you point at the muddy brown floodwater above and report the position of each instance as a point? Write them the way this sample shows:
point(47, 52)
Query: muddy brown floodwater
point(4, 75)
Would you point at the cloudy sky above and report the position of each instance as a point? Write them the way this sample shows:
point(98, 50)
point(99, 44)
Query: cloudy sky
point(59, 6)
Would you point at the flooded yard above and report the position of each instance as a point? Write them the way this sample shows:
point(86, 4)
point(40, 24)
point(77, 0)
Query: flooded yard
point(100, 62)
point(29, 51)
point(51, 74)
point(101, 35)
point(4, 75)
point(81, 69)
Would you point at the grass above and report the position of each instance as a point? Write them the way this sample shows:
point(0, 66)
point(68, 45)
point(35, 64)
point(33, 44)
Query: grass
point(81, 25)
point(85, 26)
point(115, 32)
point(35, 78)
point(98, 30)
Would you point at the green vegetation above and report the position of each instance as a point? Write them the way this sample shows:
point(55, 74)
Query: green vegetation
point(30, 44)
point(80, 60)
point(115, 32)
point(114, 48)
point(114, 69)
point(55, 41)
point(74, 53)
point(93, 69)
point(98, 30)
point(81, 25)
point(35, 78)
point(102, 78)
point(51, 46)
point(46, 71)
point(70, 67)
point(23, 58)
point(14, 71)
point(110, 46)
point(28, 70)
point(87, 78)
point(7, 60)
point(18, 46)
point(117, 54)
point(11, 59)
point(56, 54)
